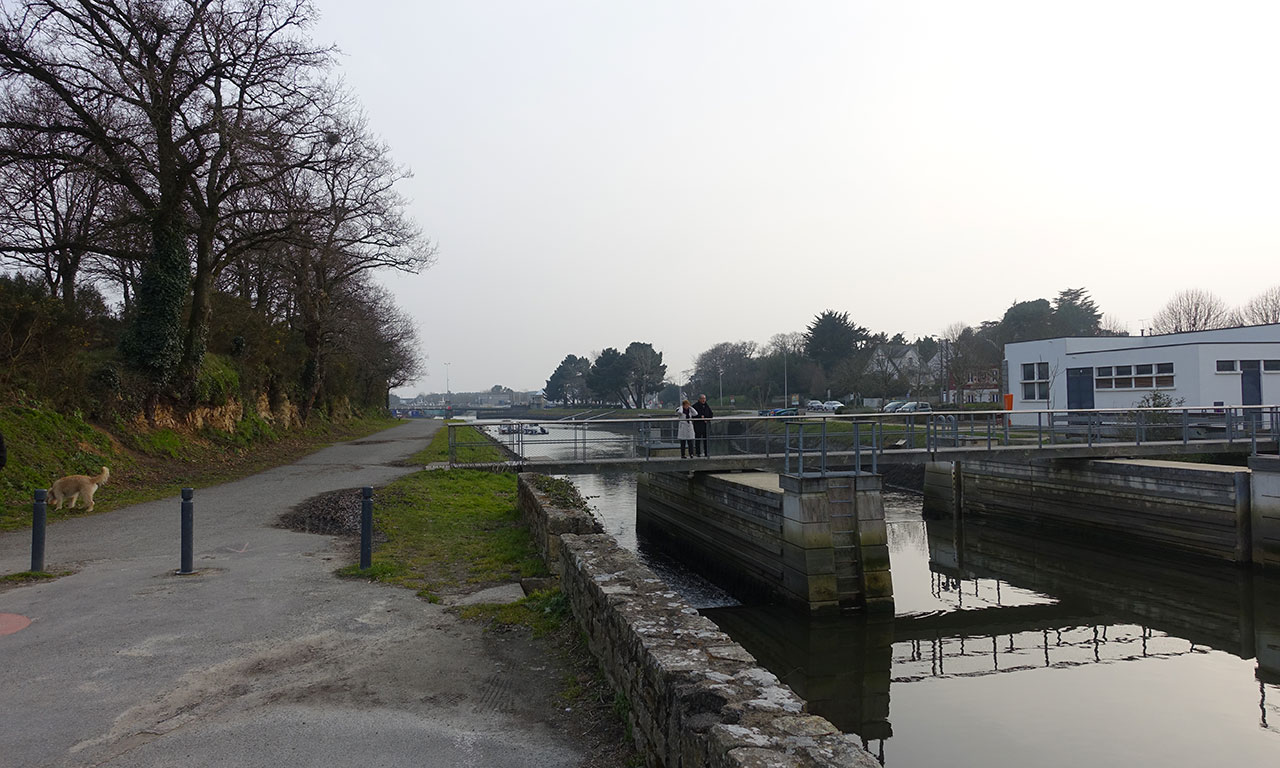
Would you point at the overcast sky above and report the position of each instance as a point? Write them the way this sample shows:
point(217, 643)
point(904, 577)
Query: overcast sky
point(686, 173)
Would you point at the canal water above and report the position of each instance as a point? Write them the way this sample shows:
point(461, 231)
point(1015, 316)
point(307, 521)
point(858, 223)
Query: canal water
point(1009, 650)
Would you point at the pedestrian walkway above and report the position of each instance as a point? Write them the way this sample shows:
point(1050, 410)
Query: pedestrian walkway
point(261, 658)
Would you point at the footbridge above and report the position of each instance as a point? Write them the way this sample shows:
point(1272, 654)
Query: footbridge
point(822, 444)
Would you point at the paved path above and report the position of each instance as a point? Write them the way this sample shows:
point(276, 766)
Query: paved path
point(263, 658)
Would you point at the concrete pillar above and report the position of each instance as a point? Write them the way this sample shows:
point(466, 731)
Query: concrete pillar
point(941, 479)
point(1264, 510)
point(835, 544)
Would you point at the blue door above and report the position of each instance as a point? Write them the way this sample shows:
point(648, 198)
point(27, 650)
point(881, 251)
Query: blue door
point(1079, 387)
point(1250, 382)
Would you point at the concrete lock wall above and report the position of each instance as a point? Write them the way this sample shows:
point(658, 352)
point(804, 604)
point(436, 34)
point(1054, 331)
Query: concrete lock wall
point(1265, 509)
point(696, 698)
point(1191, 508)
point(818, 543)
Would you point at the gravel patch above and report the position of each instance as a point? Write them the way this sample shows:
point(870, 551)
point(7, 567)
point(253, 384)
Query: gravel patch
point(336, 513)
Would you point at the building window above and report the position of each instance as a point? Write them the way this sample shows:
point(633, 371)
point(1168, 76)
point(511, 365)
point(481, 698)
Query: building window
point(1271, 365)
point(1035, 381)
point(1226, 366)
point(1137, 376)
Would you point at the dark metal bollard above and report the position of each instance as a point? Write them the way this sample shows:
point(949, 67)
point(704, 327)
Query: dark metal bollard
point(188, 524)
point(366, 527)
point(37, 530)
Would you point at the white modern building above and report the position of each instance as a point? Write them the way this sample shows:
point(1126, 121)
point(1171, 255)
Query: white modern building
point(1226, 366)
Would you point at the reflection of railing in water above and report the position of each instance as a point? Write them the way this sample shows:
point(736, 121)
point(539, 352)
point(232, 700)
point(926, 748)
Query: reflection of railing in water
point(989, 655)
point(1270, 717)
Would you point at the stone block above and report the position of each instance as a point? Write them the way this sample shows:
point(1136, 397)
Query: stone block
point(806, 509)
point(873, 534)
point(878, 584)
point(810, 561)
point(806, 535)
point(811, 588)
point(875, 558)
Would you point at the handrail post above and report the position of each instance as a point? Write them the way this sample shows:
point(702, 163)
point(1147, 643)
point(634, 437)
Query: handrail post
point(1253, 432)
point(877, 433)
point(453, 445)
point(786, 446)
point(802, 448)
point(824, 446)
point(857, 444)
point(1186, 433)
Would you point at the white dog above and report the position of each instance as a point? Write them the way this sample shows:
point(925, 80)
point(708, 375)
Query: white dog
point(74, 486)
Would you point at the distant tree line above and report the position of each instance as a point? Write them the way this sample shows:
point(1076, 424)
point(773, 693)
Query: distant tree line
point(834, 354)
point(622, 378)
point(197, 162)
point(1197, 310)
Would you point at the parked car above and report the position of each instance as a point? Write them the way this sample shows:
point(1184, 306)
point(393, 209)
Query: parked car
point(815, 405)
point(915, 407)
point(893, 405)
point(833, 405)
point(784, 412)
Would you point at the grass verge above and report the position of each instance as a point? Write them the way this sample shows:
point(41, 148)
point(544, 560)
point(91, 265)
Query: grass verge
point(450, 530)
point(473, 447)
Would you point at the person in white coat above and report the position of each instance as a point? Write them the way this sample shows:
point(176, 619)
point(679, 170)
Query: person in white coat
point(684, 430)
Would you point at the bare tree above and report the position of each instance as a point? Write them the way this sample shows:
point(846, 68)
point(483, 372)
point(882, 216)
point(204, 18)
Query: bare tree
point(155, 97)
point(1192, 310)
point(1262, 309)
point(353, 221)
point(263, 121)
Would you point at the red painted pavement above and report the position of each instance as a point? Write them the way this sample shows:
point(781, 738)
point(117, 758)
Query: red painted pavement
point(12, 622)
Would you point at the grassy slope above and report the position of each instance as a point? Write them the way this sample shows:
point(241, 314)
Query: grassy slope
point(44, 445)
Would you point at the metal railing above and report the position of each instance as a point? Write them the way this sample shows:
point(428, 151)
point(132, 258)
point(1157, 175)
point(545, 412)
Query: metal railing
point(823, 442)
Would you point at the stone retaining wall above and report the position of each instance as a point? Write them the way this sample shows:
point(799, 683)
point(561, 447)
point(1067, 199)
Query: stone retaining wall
point(547, 521)
point(697, 699)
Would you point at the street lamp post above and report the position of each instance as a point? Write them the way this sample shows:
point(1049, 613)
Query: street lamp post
point(446, 383)
point(786, 396)
point(721, 387)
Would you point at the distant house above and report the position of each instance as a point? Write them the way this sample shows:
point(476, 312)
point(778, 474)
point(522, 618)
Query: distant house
point(899, 362)
point(1226, 366)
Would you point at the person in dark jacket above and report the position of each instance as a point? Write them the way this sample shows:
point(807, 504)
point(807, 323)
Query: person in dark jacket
point(700, 447)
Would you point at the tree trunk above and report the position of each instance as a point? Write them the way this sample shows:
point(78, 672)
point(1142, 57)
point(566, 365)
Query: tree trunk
point(153, 343)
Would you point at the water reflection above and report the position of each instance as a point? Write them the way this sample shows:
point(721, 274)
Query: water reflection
point(1011, 650)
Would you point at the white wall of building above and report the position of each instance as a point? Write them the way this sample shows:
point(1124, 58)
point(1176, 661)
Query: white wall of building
point(1183, 366)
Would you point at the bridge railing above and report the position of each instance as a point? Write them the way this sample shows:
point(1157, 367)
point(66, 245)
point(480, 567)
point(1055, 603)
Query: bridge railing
point(822, 442)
